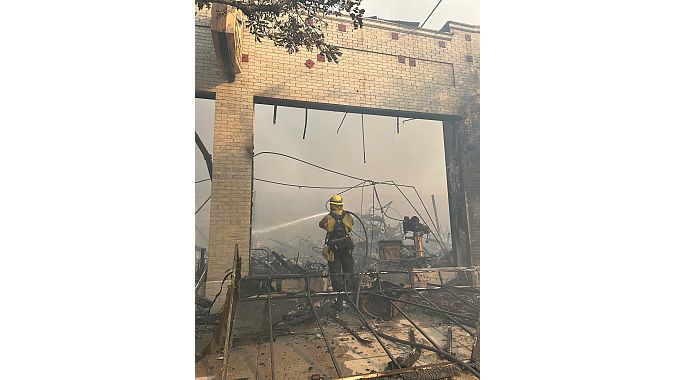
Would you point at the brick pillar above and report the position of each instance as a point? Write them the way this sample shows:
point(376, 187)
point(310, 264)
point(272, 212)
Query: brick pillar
point(457, 201)
point(231, 187)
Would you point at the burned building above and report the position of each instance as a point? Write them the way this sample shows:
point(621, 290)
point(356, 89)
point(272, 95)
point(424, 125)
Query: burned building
point(388, 69)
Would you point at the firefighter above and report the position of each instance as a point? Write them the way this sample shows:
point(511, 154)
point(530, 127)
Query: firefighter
point(338, 248)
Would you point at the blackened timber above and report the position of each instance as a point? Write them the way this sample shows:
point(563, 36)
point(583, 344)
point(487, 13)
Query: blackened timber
point(457, 200)
point(205, 95)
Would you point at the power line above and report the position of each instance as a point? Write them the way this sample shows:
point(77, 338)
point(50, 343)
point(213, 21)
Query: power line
point(428, 16)
point(411, 30)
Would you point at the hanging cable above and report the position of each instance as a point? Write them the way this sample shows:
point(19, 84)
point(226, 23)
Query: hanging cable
point(365, 256)
point(363, 142)
point(202, 180)
point(205, 202)
point(205, 153)
point(308, 186)
point(274, 114)
point(311, 164)
point(359, 185)
point(443, 247)
point(227, 274)
point(305, 128)
point(381, 206)
point(341, 123)
point(371, 182)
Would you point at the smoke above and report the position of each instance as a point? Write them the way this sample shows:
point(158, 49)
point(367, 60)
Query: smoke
point(414, 156)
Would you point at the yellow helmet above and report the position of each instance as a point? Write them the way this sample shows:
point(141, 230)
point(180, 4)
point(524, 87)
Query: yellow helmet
point(336, 200)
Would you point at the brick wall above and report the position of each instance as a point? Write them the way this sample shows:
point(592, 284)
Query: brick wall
point(369, 75)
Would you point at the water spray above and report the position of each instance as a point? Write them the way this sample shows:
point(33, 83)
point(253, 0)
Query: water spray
point(283, 225)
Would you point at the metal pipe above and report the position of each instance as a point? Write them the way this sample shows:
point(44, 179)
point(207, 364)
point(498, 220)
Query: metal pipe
point(283, 276)
point(199, 282)
point(366, 324)
point(466, 288)
point(321, 329)
point(460, 299)
point(272, 352)
point(349, 330)
point(443, 353)
point(449, 316)
point(415, 325)
point(331, 294)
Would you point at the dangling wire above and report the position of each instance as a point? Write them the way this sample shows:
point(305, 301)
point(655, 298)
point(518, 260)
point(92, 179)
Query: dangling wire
point(274, 115)
point(363, 142)
point(341, 123)
point(305, 128)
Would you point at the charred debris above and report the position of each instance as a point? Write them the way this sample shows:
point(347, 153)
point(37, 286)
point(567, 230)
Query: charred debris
point(412, 304)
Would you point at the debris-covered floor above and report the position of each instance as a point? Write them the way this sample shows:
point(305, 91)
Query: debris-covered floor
point(300, 349)
point(301, 352)
point(425, 315)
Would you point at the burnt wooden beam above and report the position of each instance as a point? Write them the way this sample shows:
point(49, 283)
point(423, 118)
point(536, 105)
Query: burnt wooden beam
point(457, 199)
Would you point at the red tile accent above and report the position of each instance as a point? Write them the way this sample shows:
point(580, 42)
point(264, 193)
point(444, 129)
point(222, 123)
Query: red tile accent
point(309, 63)
point(468, 37)
point(411, 61)
point(401, 59)
point(395, 36)
point(342, 27)
point(442, 44)
point(309, 22)
point(245, 57)
point(320, 57)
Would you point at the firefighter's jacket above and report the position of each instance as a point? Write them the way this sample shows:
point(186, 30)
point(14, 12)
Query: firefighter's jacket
point(328, 222)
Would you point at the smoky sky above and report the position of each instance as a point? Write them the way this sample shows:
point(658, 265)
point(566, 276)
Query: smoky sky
point(414, 156)
point(465, 11)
